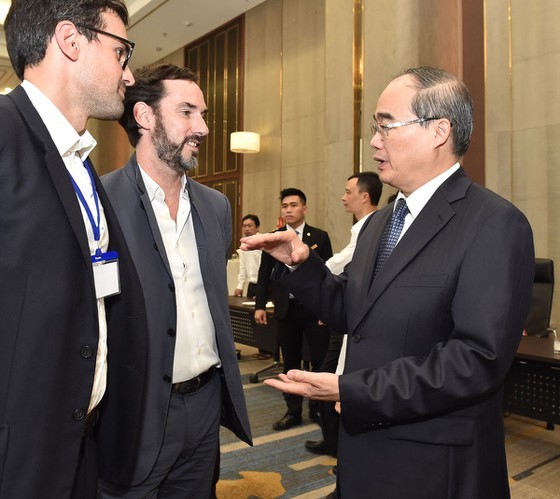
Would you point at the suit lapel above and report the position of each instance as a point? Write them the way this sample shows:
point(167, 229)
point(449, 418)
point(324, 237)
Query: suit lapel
point(199, 219)
point(133, 172)
point(431, 220)
point(57, 171)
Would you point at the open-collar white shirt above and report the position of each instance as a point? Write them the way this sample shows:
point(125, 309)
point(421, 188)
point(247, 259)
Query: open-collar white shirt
point(196, 349)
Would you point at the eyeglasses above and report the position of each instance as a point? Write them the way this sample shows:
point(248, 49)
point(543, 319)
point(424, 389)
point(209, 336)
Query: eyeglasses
point(124, 55)
point(384, 129)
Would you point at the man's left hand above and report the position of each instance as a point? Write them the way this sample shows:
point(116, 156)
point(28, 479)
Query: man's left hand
point(318, 386)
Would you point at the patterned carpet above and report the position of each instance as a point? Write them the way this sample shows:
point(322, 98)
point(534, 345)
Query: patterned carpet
point(533, 455)
point(278, 466)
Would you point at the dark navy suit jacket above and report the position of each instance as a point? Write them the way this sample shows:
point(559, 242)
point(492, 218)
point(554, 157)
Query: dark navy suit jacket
point(49, 328)
point(431, 339)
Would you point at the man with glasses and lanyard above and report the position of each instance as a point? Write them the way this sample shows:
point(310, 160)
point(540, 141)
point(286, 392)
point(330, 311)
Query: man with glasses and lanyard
point(73, 339)
point(434, 303)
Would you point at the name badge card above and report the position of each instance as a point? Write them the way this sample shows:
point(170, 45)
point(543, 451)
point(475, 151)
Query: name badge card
point(106, 274)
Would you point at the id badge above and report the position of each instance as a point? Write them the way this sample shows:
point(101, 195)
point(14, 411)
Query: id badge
point(106, 274)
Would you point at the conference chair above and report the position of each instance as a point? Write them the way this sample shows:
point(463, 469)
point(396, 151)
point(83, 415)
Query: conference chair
point(540, 310)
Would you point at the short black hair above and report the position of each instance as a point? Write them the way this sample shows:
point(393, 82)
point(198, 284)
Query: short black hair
point(254, 218)
point(292, 191)
point(30, 25)
point(149, 88)
point(369, 182)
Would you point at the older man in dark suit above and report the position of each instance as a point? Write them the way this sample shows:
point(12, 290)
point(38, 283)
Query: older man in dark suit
point(295, 322)
point(179, 234)
point(433, 325)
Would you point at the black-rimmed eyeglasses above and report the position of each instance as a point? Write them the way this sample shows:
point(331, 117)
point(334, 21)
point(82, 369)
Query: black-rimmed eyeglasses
point(124, 55)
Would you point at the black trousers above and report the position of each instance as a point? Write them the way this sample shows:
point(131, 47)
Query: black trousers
point(85, 478)
point(298, 326)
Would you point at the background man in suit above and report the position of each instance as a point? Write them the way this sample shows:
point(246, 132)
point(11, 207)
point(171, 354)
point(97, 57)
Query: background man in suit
point(433, 330)
point(361, 197)
point(58, 324)
point(295, 322)
point(179, 234)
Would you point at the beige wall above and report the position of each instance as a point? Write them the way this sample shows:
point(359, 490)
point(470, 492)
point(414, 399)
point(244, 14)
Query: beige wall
point(523, 116)
point(299, 93)
point(299, 96)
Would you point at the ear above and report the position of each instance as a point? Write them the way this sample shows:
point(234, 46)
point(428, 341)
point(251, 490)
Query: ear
point(144, 115)
point(68, 39)
point(442, 132)
point(365, 197)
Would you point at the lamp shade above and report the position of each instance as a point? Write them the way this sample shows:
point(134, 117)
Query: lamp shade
point(245, 142)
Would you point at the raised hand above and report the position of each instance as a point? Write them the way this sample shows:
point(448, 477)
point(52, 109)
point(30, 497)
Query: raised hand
point(285, 246)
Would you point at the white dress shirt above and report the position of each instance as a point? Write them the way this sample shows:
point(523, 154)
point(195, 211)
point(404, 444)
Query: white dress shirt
point(196, 350)
point(338, 261)
point(74, 150)
point(249, 263)
point(420, 197)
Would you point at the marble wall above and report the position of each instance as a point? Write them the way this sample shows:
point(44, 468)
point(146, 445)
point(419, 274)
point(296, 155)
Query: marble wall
point(299, 96)
point(523, 116)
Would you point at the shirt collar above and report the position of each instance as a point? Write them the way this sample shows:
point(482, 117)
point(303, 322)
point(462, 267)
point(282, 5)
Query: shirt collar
point(300, 229)
point(63, 134)
point(358, 225)
point(420, 197)
point(153, 189)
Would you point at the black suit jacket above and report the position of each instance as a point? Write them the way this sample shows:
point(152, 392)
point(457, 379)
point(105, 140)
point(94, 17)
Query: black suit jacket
point(48, 313)
point(318, 240)
point(212, 225)
point(430, 342)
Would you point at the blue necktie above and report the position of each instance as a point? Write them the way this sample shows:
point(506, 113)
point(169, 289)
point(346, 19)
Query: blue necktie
point(391, 234)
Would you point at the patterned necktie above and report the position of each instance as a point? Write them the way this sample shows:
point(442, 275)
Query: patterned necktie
point(391, 234)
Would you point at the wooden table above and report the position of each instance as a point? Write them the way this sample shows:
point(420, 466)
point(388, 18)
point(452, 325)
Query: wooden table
point(532, 386)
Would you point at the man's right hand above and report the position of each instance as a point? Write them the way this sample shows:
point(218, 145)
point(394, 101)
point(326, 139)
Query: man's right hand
point(260, 317)
point(283, 245)
point(237, 292)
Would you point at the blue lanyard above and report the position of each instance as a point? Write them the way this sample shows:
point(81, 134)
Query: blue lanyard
point(96, 228)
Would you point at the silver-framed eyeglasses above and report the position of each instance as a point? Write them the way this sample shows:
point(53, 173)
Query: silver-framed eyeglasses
point(383, 129)
point(124, 54)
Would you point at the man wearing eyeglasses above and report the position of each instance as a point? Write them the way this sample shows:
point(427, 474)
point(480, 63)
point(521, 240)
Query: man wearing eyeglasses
point(434, 303)
point(73, 331)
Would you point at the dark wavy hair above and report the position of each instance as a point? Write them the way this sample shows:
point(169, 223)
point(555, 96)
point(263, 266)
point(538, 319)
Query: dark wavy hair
point(149, 88)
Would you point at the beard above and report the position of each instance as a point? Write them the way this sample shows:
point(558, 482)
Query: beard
point(170, 152)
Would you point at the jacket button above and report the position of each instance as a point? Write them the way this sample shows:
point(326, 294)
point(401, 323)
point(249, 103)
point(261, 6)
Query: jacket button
point(356, 337)
point(167, 378)
point(171, 286)
point(79, 414)
point(171, 332)
point(156, 248)
point(86, 352)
